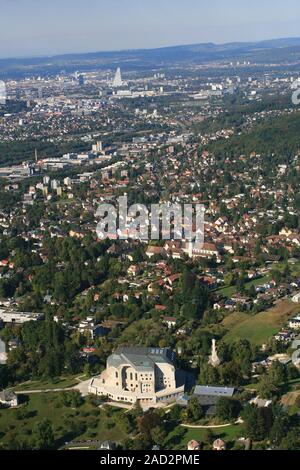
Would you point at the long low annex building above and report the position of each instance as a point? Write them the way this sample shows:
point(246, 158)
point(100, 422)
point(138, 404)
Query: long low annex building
point(13, 316)
point(140, 374)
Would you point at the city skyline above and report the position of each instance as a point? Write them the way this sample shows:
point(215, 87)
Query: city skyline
point(69, 26)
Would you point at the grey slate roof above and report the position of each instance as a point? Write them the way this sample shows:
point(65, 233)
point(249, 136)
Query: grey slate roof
point(202, 390)
point(140, 358)
point(208, 397)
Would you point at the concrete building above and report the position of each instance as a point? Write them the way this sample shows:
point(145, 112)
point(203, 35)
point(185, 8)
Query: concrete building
point(294, 323)
point(8, 398)
point(10, 316)
point(136, 374)
point(3, 354)
point(208, 396)
point(296, 298)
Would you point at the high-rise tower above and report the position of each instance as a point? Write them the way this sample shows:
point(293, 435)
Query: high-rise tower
point(118, 79)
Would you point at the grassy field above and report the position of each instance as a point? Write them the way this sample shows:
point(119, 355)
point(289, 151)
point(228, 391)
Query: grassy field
point(60, 382)
point(261, 327)
point(228, 433)
point(290, 400)
point(294, 268)
point(231, 290)
point(85, 422)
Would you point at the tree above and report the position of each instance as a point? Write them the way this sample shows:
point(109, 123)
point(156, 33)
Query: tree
point(71, 398)
point(242, 352)
point(43, 435)
point(126, 423)
point(229, 279)
point(276, 276)
point(158, 434)
point(258, 421)
point(228, 409)
point(174, 414)
point(240, 284)
point(291, 441)
point(231, 374)
point(194, 410)
point(5, 375)
point(147, 423)
point(267, 388)
point(292, 372)
point(286, 272)
point(188, 283)
point(278, 373)
point(279, 429)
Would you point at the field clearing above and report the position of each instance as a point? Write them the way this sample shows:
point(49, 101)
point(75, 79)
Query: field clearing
point(294, 268)
point(87, 421)
point(290, 398)
point(61, 382)
point(228, 433)
point(261, 327)
point(228, 291)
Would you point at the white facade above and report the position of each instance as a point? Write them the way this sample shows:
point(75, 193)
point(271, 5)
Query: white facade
point(9, 399)
point(295, 323)
point(3, 354)
point(10, 316)
point(296, 298)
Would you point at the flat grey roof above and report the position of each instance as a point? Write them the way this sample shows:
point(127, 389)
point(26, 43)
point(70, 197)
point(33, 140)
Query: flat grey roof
point(214, 391)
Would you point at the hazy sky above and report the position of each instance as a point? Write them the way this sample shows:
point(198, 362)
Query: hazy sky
point(36, 27)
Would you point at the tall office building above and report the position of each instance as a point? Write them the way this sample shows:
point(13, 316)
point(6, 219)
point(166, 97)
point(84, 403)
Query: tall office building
point(80, 80)
point(118, 79)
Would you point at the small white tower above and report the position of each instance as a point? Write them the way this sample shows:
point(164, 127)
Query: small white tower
point(213, 358)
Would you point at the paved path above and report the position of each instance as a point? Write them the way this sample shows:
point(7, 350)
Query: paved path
point(205, 427)
point(82, 387)
point(211, 426)
point(116, 404)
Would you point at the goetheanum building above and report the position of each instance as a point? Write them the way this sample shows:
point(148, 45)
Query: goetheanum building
point(136, 374)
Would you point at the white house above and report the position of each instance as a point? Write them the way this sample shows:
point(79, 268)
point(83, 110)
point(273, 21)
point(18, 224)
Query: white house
point(11, 316)
point(170, 321)
point(294, 323)
point(296, 298)
point(9, 399)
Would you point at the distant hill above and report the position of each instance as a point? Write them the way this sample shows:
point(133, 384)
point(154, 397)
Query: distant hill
point(269, 51)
